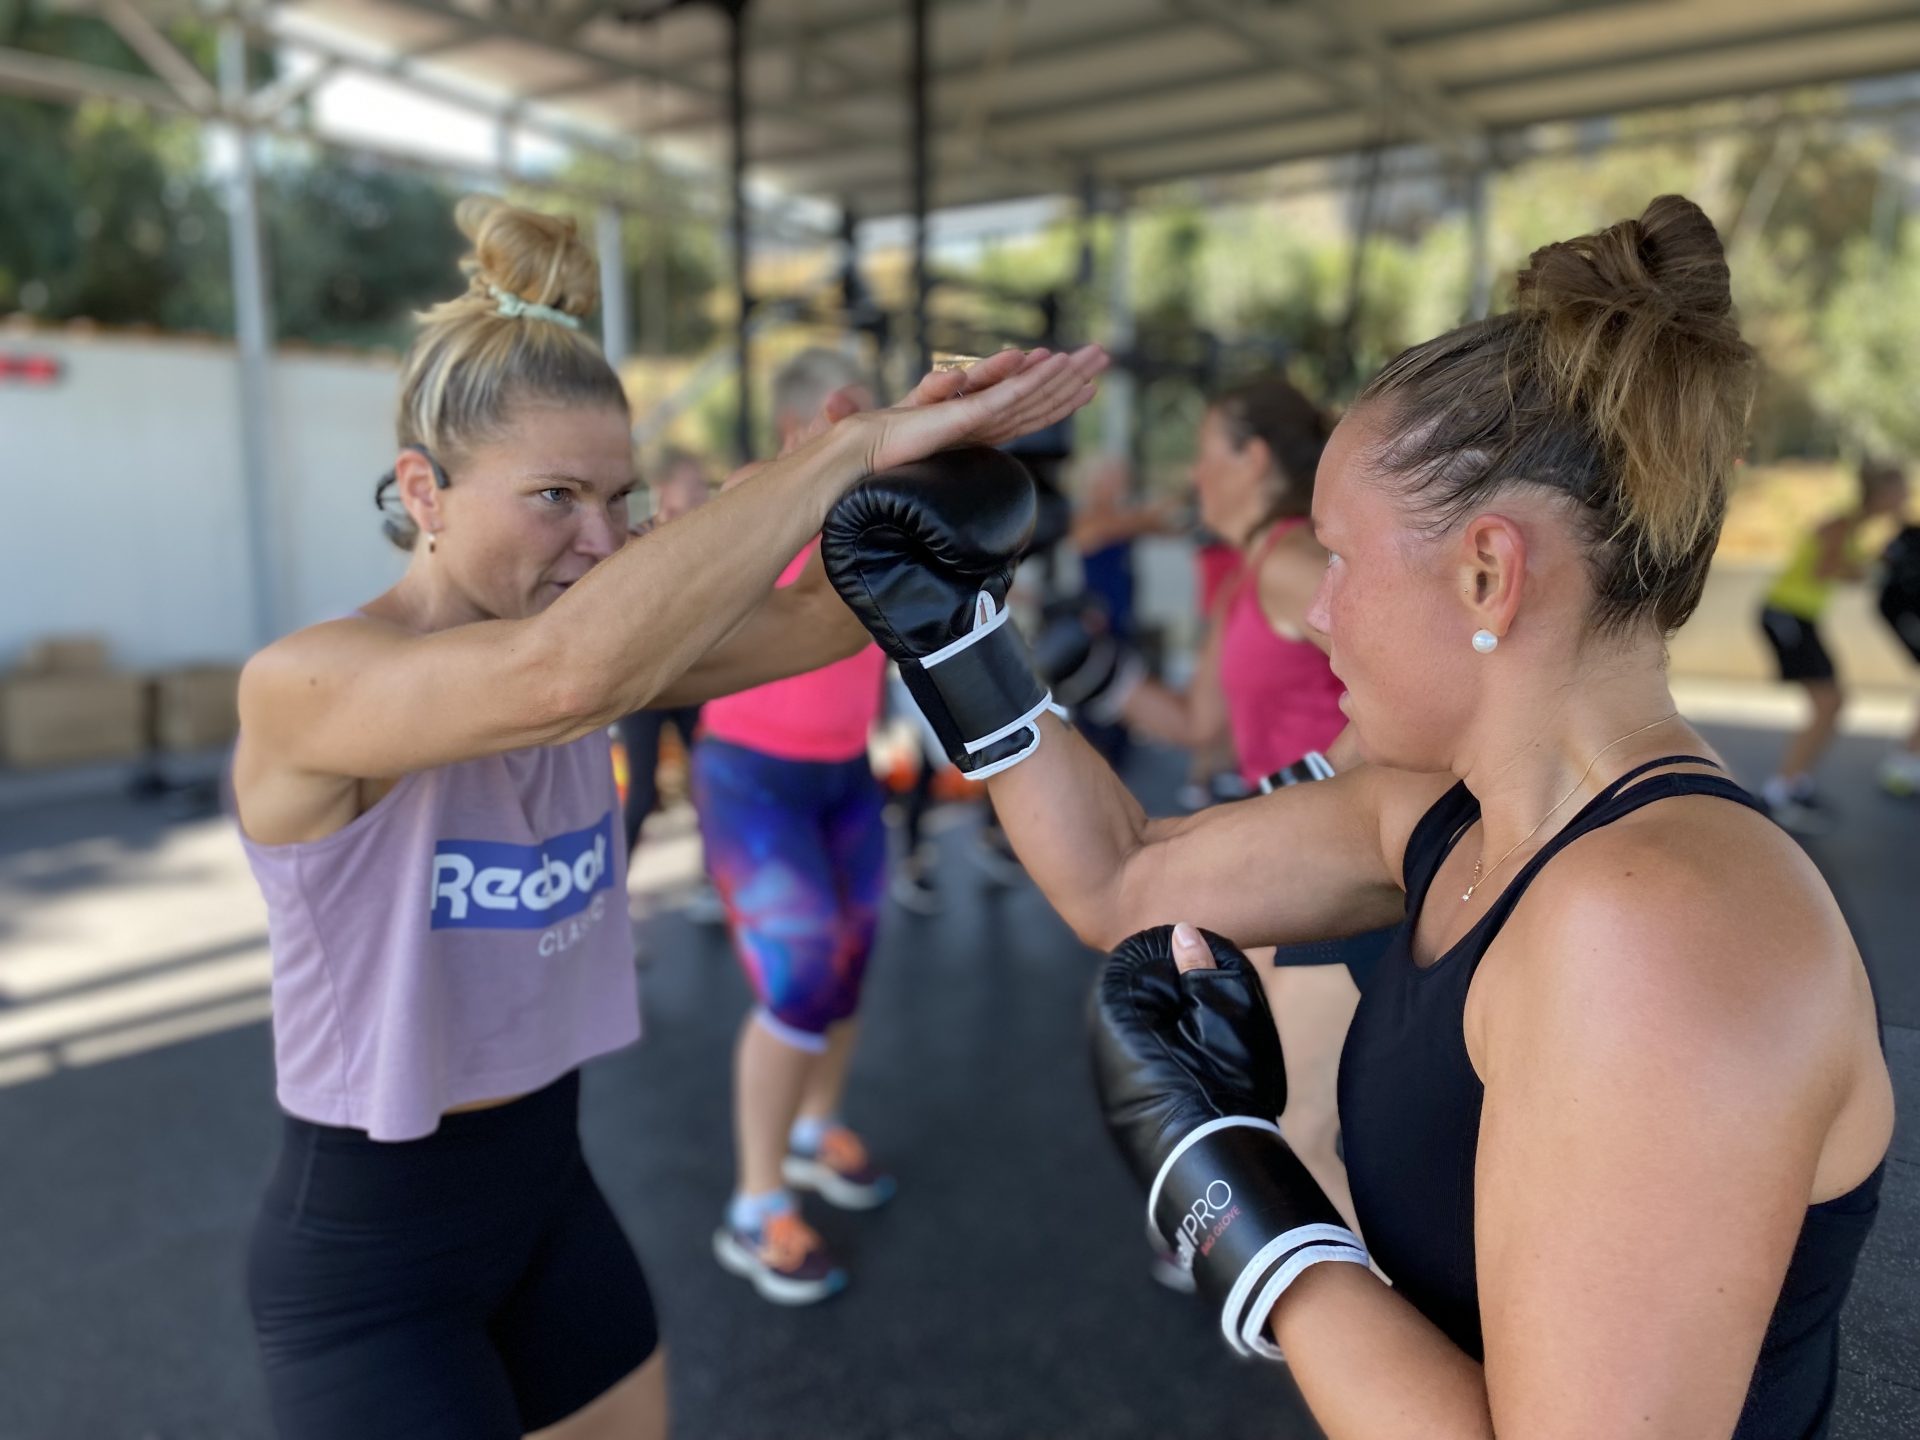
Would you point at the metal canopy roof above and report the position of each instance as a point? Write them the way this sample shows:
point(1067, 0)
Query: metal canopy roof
point(1035, 97)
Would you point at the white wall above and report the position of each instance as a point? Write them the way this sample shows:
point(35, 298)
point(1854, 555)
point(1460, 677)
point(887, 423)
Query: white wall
point(124, 508)
point(122, 511)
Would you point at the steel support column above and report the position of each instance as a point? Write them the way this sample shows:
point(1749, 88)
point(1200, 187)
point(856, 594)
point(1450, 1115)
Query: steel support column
point(253, 342)
point(610, 235)
point(1117, 389)
point(918, 102)
point(1479, 262)
point(736, 12)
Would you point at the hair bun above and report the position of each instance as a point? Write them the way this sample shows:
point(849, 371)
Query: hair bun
point(540, 258)
point(1666, 267)
point(1683, 255)
point(1636, 334)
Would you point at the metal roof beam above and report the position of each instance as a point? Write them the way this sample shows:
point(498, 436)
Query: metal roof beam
point(679, 78)
point(400, 68)
point(1129, 140)
point(781, 36)
point(1401, 38)
point(47, 77)
point(289, 90)
point(1277, 36)
point(143, 37)
point(1041, 163)
point(1450, 126)
point(1516, 149)
point(1889, 12)
point(1133, 95)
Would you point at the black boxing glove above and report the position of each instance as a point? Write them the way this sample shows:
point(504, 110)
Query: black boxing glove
point(1088, 668)
point(1190, 1077)
point(924, 555)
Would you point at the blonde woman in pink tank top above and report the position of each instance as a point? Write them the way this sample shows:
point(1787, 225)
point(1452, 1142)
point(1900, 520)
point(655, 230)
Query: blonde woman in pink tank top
point(1262, 679)
point(427, 800)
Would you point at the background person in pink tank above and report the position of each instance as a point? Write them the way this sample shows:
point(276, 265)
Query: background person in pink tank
point(791, 818)
point(428, 802)
point(1263, 678)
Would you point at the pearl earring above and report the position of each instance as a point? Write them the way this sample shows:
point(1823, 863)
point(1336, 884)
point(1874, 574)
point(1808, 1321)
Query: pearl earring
point(433, 541)
point(1484, 641)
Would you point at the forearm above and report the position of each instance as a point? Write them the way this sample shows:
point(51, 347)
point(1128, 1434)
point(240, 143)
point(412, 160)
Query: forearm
point(789, 633)
point(1096, 532)
point(1415, 1381)
point(641, 619)
point(1156, 711)
point(1074, 825)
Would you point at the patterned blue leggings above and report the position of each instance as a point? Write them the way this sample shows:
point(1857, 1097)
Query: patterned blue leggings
point(798, 851)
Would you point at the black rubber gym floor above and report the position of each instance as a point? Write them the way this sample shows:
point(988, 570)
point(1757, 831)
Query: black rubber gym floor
point(1003, 1294)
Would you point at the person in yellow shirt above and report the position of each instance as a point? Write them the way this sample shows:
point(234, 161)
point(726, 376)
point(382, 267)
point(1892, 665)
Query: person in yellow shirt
point(1790, 618)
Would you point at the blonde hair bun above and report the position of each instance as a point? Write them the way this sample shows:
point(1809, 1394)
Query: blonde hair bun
point(539, 258)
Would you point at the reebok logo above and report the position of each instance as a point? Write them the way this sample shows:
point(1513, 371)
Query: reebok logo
point(489, 885)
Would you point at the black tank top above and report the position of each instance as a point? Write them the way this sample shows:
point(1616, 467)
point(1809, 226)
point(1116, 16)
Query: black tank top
point(1410, 1123)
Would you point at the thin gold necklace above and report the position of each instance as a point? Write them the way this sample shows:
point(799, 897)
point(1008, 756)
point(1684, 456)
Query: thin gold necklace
point(1477, 876)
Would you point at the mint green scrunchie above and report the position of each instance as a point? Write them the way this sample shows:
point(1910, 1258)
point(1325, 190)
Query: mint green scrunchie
point(516, 308)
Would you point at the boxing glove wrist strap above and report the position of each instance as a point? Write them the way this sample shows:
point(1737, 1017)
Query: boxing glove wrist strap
point(1293, 1259)
point(1310, 766)
point(1236, 1205)
point(979, 692)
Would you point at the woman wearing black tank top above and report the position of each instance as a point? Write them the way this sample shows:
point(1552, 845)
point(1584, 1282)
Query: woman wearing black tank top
point(1614, 1105)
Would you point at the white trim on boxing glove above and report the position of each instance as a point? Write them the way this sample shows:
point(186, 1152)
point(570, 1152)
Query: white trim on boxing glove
point(989, 616)
point(986, 772)
point(974, 747)
point(1252, 1339)
point(1307, 1244)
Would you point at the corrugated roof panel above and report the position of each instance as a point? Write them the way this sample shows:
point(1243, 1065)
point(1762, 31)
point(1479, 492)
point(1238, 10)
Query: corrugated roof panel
point(1030, 95)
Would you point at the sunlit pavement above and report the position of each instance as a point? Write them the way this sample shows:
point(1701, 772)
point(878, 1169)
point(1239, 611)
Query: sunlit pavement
point(1004, 1294)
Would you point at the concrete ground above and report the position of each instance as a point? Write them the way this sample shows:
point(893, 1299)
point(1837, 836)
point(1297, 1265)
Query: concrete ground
point(1004, 1294)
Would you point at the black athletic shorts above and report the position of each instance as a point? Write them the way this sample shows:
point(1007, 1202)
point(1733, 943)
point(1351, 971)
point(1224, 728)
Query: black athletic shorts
point(1902, 612)
point(1796, 645)
point(472, 1285)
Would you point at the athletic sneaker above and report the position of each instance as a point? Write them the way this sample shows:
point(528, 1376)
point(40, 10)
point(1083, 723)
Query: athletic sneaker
point(913, 889)
point(995, 857)
point(1228, 785)
point(1798, 815)
point(1900, 774)
point(785, 1259)
point(839, 1171)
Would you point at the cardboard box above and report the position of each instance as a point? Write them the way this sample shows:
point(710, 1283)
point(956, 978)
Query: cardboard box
point(66, 719)
point(196, 707)
point(66, 655)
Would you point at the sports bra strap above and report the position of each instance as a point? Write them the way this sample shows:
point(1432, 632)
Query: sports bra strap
point(1617, 785)
point(1613, 803)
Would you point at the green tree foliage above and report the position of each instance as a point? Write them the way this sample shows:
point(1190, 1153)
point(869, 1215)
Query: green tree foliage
point(1869, 334)
point(102, 220)
point(112, 215)
point(357, 249)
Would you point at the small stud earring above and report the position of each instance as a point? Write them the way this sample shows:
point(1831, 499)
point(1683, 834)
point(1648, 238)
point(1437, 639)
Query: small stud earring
point(1484, 641)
